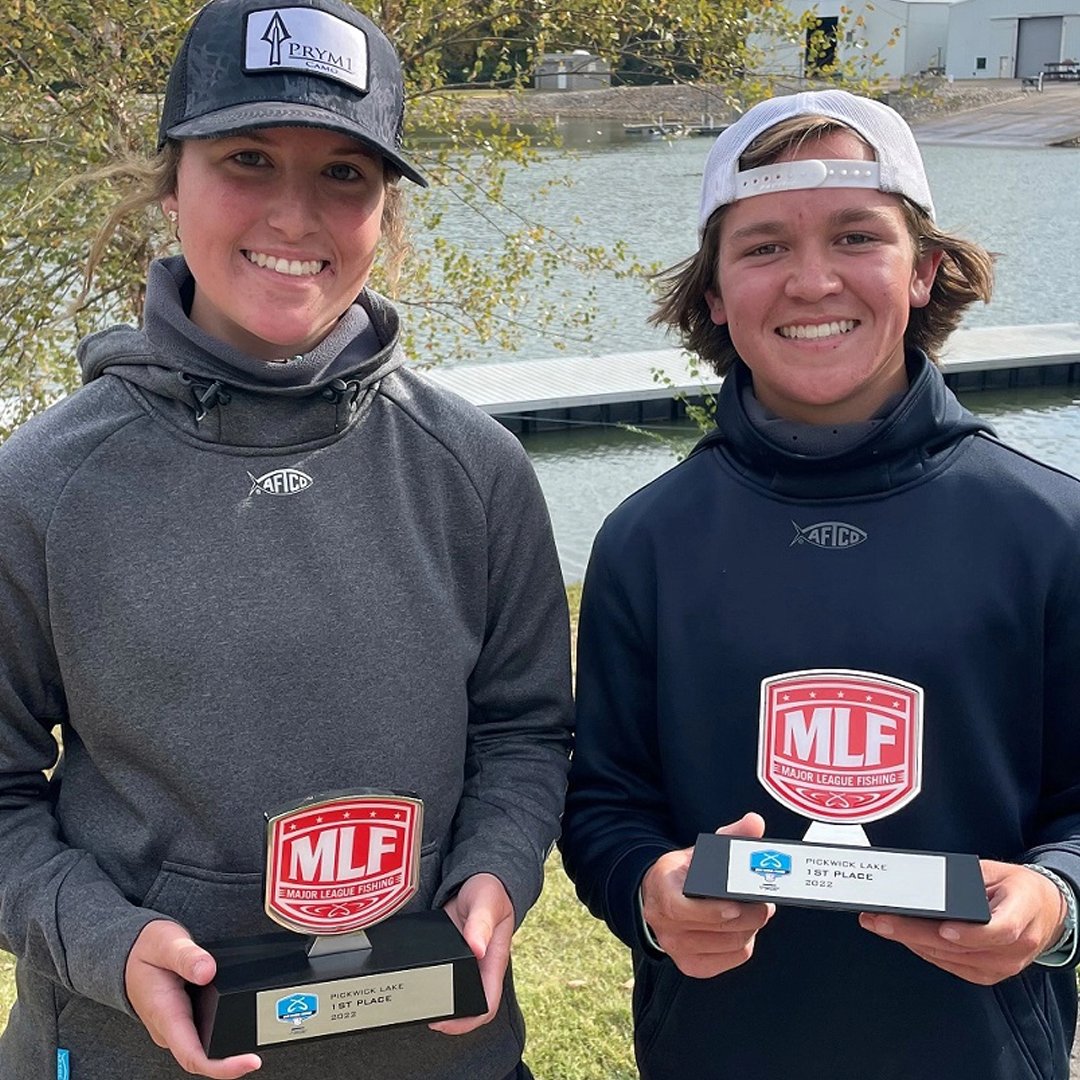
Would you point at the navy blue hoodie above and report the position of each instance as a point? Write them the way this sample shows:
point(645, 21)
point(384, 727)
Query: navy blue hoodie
point(966, 582)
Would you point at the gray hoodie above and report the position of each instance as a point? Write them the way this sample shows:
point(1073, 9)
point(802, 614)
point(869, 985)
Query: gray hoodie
point(232, 591)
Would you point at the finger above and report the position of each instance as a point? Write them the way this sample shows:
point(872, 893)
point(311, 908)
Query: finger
point(945, 937)
point(478, 929)
point(752, 825)
point(176, 1029)
point(715, 916)
point(707, 944)
point(492, 972)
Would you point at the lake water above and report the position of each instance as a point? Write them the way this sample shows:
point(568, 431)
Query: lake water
point(1022, 204)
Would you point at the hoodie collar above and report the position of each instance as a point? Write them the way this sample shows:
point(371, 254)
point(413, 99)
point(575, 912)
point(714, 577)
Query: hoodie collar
point(217, 393)
point(909, 441)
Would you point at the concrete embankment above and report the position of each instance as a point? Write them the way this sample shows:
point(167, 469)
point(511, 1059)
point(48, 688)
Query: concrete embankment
point(988, 111)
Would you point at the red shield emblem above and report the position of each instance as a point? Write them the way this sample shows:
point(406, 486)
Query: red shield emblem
point(842, 746)
point(343, 864)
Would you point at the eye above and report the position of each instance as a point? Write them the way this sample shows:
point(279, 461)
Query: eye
point(764, 249)
point(856, 239)
point(248, 157)
point(344, 172)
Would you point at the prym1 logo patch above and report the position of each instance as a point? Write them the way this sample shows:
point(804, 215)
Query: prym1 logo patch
point(280, 482)
point(307, 40)
point(834, 535)
point(841, 746)
point(343, 864)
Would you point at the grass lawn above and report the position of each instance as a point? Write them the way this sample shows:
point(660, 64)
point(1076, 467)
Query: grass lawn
point(572, 976)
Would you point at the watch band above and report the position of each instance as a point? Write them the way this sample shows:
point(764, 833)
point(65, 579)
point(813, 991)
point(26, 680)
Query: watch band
point(1063, 952)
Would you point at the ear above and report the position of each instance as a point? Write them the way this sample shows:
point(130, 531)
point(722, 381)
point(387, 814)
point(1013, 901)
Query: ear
point(922, 279)
point(170, 203)
point(716, 307)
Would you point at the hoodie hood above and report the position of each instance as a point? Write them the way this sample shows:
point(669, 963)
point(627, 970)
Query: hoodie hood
point(911, 440)
point(220, 394)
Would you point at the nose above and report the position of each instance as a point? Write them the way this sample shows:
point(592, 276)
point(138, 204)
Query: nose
point(812, 275)
point(292, 209)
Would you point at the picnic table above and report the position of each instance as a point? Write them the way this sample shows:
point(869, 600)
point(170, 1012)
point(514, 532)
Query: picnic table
point(1063, 70)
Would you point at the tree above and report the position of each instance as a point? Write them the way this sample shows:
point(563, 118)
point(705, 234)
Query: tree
point(79, 86)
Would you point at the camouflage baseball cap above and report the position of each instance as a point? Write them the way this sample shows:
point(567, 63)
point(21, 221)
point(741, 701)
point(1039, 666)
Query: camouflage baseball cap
point(310, 63)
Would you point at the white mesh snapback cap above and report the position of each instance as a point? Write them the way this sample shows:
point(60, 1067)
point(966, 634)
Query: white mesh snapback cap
point(898, 168)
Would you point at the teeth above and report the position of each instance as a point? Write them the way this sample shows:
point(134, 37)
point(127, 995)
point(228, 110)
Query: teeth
point(293, 267)
point(821, 330)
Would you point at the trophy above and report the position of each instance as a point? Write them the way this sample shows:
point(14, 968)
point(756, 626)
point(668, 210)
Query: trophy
point(842, 748)
point(337, 868)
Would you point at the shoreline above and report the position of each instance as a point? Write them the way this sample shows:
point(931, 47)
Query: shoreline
point(699, 103)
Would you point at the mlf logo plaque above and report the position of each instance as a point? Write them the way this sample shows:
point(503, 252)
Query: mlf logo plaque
point(342, 864)
point(840, 746)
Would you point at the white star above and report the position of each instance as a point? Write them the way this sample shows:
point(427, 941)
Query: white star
point(840, 693)
point(813, 694)
point(318, 820)
point(896, 704)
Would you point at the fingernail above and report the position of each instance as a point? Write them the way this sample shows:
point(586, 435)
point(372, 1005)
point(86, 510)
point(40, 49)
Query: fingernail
point(949, 934)
point(729, 912)
point(200, 970)
point(884, 927)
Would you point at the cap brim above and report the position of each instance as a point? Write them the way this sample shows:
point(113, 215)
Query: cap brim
point(263, 114)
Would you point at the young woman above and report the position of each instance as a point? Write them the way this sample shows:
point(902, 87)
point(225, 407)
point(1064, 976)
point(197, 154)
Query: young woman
point(253, 559)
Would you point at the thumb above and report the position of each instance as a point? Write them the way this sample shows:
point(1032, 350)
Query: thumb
point(191, 962)
point(477, 930)
point(752, 825)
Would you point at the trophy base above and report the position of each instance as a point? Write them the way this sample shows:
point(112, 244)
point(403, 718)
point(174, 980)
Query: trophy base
point(269, 992)
point(927, 884)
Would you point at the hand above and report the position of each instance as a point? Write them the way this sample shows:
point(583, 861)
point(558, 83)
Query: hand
point(482, 911)
point(1027, 915)
point(702, 937)
point(162, 959)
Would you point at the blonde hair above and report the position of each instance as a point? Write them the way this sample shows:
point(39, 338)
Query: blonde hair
point(150, 181)
point(966, 273)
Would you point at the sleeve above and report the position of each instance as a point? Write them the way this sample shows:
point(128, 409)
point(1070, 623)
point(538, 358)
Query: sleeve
point(1055, 837)
point(520, 705)
point(59, 913)
point(616, 823)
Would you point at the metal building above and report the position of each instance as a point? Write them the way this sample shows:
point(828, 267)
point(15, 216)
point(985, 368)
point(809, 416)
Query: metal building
point(577, 70)
point(1013, 39)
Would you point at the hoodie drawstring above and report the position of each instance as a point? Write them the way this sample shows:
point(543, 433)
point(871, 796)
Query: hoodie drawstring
point(207, 395)
point(347, 397)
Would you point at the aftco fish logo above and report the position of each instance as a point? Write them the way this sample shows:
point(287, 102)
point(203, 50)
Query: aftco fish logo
point(280, 482)
point(828, 534)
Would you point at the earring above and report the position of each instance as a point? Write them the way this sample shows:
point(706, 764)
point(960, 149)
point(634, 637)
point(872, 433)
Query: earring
point(174, 219)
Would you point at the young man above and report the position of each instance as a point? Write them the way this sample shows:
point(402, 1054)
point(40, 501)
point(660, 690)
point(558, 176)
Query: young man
point(847, 519)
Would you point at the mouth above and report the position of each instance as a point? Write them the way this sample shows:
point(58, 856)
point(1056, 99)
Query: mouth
point(288, 267)
point(817, 332)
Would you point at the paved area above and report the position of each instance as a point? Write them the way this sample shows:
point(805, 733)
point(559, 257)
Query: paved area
point(1033, 119)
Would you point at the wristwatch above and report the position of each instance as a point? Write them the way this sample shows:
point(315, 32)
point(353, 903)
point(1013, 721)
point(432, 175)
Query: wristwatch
point(1063, 951)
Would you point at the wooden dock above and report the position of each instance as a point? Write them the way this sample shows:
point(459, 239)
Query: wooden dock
point(643, 387)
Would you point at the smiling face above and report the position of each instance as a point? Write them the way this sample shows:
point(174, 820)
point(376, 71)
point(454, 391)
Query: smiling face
point(279, 228)
point(815, 287)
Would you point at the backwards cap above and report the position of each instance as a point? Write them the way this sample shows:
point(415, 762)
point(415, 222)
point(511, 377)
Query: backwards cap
point(898, 168)
point(312, 63)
